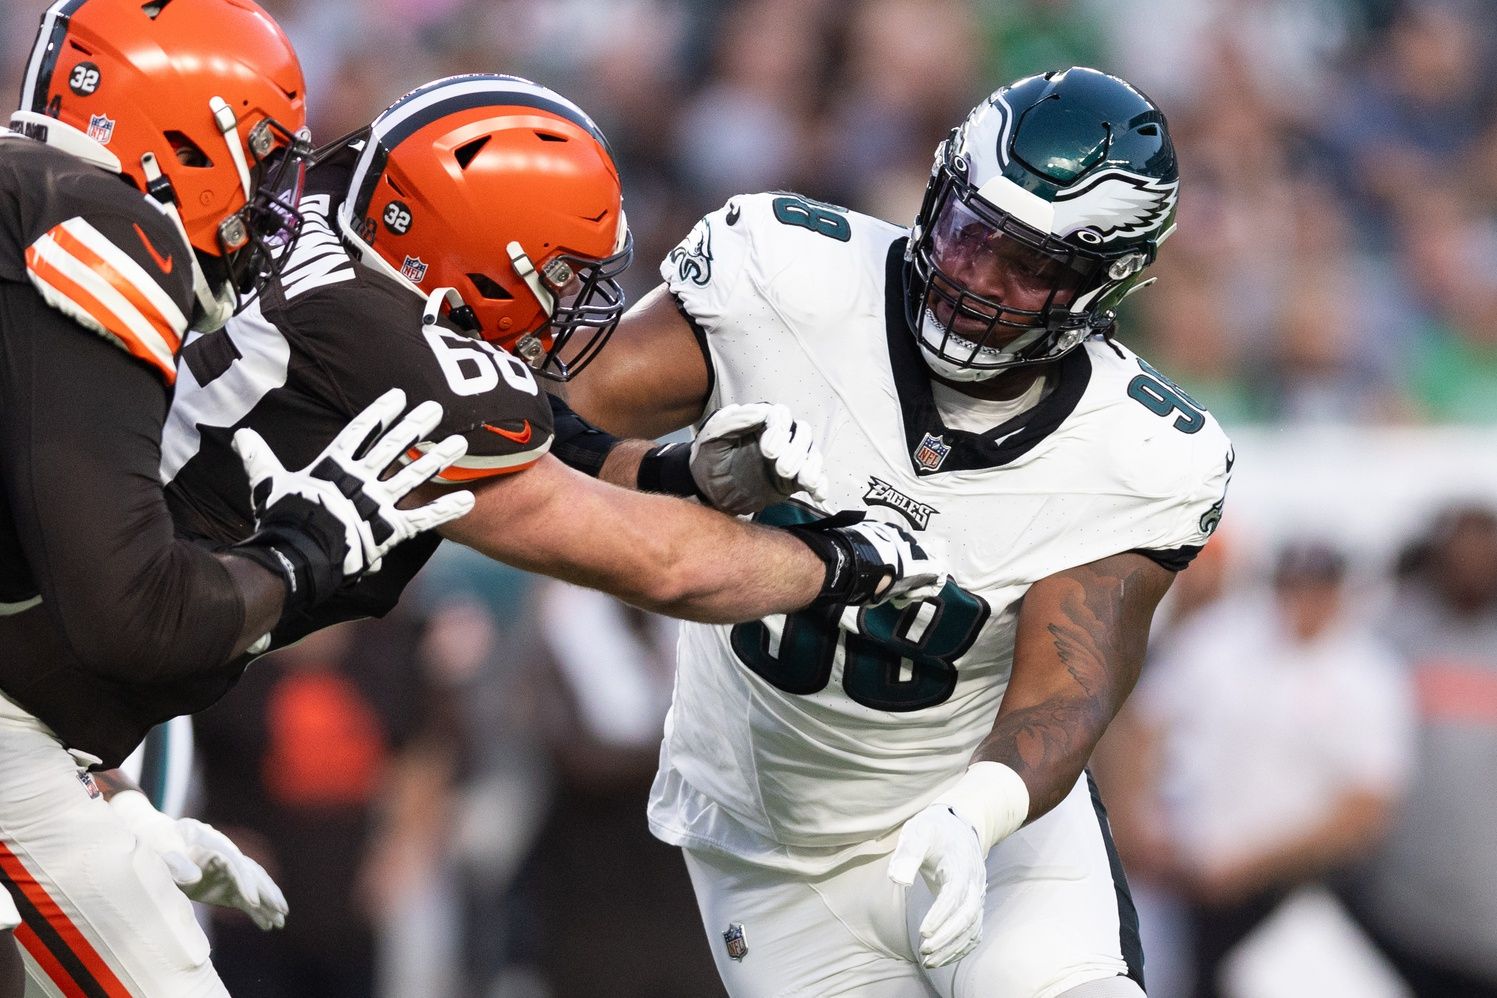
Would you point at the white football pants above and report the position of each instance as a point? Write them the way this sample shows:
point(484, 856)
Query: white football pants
point(1057, 915)
point(100, 914)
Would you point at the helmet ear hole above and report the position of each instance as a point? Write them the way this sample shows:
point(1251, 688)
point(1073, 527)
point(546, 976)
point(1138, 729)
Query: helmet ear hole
point(188, 152)
point(467, 151)
point(490, 288)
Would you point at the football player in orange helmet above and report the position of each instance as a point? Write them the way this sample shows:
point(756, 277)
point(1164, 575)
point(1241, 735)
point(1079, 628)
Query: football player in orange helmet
point(479, 212)
point(507, 192)
point(214, 133)
point(150, 181)
point(476, 213)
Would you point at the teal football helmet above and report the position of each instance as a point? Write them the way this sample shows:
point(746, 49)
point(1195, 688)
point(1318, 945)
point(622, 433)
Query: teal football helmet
point(1044, 207)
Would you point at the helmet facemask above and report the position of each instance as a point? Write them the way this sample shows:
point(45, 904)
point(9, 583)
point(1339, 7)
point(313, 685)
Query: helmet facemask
point(1043, 209)
point(970, 336)
point(585, 301)
point(256, 240)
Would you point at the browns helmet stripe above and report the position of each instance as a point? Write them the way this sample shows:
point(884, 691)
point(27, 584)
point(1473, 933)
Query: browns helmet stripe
point(43, 61)
point(449, 95)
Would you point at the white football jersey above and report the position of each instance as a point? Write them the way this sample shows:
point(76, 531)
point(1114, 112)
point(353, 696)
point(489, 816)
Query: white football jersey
point(799, 741)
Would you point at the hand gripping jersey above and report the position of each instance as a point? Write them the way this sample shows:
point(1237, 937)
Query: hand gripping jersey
point(325, 339)
point(799, 741)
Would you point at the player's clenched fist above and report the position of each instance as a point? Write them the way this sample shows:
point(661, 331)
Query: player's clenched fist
point(752, 455)
point(870, 561)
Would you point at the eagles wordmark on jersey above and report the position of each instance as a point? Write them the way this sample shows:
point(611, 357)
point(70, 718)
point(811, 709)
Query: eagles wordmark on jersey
point(799, 741)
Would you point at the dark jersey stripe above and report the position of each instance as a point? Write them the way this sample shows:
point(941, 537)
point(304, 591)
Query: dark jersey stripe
point(1128, 937)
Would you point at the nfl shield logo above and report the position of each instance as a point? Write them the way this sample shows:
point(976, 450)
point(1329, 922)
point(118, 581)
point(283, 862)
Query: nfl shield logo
point(737, 944)
point(413, 269)
point(931, 452)
point(100, 128)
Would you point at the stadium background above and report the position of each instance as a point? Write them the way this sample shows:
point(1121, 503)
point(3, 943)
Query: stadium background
point(1330, 294)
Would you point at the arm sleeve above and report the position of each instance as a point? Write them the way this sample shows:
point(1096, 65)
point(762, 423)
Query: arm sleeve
point(579, 444)
point(81, 424)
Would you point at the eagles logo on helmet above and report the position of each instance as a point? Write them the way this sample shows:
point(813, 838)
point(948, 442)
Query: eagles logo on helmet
point(1066, 180)
point(532, 166)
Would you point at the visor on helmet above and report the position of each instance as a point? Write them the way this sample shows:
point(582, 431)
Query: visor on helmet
point(990, 292)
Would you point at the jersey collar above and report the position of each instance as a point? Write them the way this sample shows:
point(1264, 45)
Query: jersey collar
point(64, 137)
point(932, 446)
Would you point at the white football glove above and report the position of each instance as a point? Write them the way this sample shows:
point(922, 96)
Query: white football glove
point(869, 561)
point(336, 518)
point(948, 843)
point(747, 457)
point(944, 848)
point(913, 574)
point(205, 864)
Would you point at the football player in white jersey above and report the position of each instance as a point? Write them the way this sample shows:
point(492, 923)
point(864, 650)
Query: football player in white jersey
point(892, 802)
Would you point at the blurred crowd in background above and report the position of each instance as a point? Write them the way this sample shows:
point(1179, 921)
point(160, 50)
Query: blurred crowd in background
point(452, 798)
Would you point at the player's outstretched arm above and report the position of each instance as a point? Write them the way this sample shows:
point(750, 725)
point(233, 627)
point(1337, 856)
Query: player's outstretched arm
point(1081, 640)
point(743, 458)
point(678, 558)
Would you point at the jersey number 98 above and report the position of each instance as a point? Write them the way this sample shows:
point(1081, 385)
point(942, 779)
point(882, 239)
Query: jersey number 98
point(896, 660)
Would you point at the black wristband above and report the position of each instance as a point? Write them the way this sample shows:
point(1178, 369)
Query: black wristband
point(296, 544)
point(668, 469)
point(854, 571)
point(577, 443)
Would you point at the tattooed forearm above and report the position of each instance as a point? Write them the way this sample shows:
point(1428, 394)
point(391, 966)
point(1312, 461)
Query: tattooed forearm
point(1080, 645)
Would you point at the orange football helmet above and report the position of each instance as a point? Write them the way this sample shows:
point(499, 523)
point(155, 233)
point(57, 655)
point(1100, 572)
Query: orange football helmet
point(507, 192)
point(199, 103)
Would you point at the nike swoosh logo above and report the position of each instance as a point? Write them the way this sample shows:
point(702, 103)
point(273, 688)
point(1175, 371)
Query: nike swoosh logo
point(164, 262)
point(522, 437)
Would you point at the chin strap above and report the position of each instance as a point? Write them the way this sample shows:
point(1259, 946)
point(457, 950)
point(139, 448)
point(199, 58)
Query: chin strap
point(214, 308)
point(520, 260)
